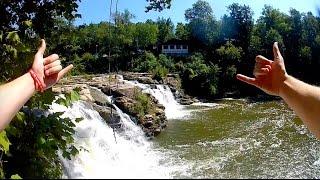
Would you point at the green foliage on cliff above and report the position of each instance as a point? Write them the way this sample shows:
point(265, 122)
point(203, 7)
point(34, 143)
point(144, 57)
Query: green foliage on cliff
point(159, 73)
point(143, 103)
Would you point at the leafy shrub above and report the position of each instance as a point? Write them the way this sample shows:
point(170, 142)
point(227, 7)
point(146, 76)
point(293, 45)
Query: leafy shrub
point(159, 73)
point(196, 73)
point(36, 139)
point(143, 103)
point(145, 63)
point(166, 62)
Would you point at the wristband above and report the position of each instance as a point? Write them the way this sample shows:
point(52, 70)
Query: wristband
point(38, 84)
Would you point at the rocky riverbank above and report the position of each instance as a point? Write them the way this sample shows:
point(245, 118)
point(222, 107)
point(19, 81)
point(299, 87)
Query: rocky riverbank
point(94, 88)
point(143, 109)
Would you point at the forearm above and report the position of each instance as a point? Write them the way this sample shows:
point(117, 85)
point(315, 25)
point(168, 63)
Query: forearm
point(13, 96)
point(304, 99)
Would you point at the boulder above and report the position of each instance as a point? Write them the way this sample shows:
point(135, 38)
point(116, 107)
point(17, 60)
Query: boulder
point(126, 105)
point(120, 90)
point(99, 97)
point(146, 80)
point(110, 115)
point(85, 95)
point(157, 132)
point(186, 101)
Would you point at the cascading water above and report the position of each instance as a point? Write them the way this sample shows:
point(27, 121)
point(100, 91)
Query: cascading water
point(165, 97)
point(130, 155)
point(208, 146)
point(101, 157)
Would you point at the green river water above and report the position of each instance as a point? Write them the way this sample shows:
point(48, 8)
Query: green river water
point(240, 139)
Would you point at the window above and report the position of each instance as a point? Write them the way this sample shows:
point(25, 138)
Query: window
point(171, 46)
point(185, 47)
point(165, 47)
point(178, 46)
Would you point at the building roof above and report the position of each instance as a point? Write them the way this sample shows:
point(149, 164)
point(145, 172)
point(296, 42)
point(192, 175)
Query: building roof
point(176, 42)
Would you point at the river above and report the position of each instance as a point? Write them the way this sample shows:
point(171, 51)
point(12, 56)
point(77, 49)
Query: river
point(225, 139)
point(241, 139)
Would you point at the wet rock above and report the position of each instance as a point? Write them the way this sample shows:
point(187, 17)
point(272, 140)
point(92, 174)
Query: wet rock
point(108, 114)
point(157, 132)
point(120, 90)
point(146, 80)
point(148, 124)
point(186, 101)
point(160, 112)
point(153, 86)
point(126, 105)
point(99, 97)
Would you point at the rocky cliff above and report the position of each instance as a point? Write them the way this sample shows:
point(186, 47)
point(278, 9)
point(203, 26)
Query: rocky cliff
point(94, 88)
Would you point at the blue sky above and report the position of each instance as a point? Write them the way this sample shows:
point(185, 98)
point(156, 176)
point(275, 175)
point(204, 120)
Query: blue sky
point(94, 11)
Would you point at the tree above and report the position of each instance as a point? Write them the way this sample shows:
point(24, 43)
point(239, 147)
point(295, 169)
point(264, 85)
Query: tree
point(39, 15)
point(196, 73)
point(272, 25)
point(146, 34)
point(166, 30)
point(124, 18)
point(182, 32)
point(238, 24)
point(202, 25)
point(294, 38)
point(229, 58)
point(200, 10)
point(158, 5)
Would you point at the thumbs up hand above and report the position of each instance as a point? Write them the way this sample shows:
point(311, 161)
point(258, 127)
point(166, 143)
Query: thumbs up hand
point(269, 75)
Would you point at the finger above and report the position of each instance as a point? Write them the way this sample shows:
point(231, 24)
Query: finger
point(259, 66)
point(64, 71)
point(276, 52)
point(53, 70)
point(262, 60)
point(261, 72)
point(42, 47)
point(53, 64)
point(246, 79)
point(50, 59)
point(269, 67)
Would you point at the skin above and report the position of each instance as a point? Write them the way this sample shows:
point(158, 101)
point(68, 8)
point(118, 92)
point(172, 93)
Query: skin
point(271, 77)
point(16, 93)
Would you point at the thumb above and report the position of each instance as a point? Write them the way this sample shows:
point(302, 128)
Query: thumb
point(64, 71)
point(276, 52)
point(42, 47)
point(248, 80)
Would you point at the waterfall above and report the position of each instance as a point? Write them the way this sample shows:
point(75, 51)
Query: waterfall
point(164, 95)
point(100, 156)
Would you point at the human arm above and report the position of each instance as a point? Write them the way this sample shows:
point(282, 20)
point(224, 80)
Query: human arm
point(272, 78)
point(16, 93)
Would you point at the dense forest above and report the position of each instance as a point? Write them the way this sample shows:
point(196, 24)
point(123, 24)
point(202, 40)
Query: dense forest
point(220, 49)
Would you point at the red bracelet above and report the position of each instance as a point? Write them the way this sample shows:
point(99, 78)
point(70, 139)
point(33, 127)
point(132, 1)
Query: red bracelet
point(38, 84)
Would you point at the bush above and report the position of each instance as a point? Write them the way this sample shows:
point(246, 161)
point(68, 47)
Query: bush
point(79, 66)
point(159, 73)
point(143, 103)
point(35, 139)
point(196, 73)
point(145, 63)
point(166, 62)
